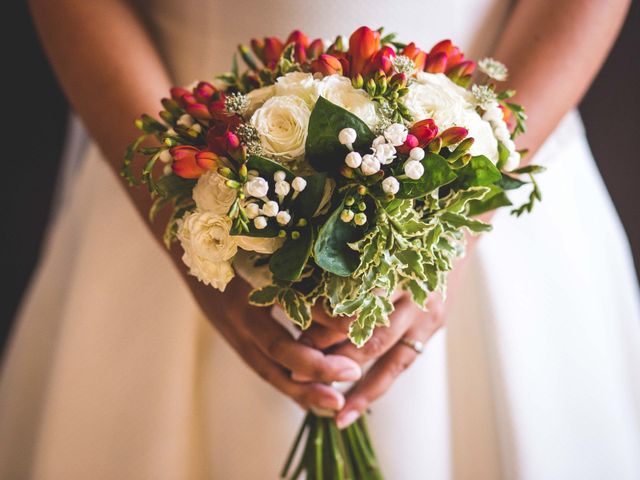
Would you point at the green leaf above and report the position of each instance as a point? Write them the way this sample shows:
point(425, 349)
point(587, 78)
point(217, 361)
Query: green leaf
point(437, 172)
point(375, 312)
point(529, 169)
point(295, 307)
point(270, 231)
point(457, 201)
point(332, 252)
point(323, 150)
point(508, 182)
point(288, 261)
point(456, 220)
point(419, 292)
point(496, 198)
point(307, 202)
point(480, 171)
point(265, 296)
point(267, 167)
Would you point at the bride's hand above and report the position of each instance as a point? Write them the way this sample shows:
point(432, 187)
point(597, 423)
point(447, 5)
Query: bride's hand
point(270, 350)
point(386, 346)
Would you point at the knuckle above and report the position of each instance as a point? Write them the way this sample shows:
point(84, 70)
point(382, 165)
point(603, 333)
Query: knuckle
point(275, 348)
point(374, 347)
point(399, 366)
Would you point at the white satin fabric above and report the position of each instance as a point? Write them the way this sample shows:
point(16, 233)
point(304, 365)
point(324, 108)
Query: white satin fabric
point(113, 373)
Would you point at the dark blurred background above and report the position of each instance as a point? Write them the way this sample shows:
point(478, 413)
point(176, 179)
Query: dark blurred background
point(38, 117)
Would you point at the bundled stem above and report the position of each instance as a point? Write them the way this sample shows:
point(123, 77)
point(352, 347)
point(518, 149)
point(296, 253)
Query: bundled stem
point(329, 453)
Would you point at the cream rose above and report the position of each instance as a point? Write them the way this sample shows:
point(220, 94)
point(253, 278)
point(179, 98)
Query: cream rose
point(282, 125)
point(434, 95)
point(257, 97)
point(259, 244)
point(338, 89)
point(212, 194)
point(299, 84)
point(208, 247)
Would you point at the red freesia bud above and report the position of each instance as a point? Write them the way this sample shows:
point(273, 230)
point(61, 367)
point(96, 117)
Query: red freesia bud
point(381, 61)
point(461, 69)
point(298, 37)
point(425, 131)
point(204, 91)
point(315, 49)
point(398, 79)
point(299, 53)
point(506, 115)
point(443, 46)
point(272, 49)
point(326, 65)
point(453, 135)
point(454, 57)
point(184, 162)
point(363, 44)
point(207, 160)
point(409, 143)
point(418, 56)
point(257, 45)
point(178, 92)
point(436, 63)
point(198, 110)
point(232, 140)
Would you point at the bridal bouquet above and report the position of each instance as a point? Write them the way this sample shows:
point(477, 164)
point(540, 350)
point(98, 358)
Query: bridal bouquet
point(336, 174)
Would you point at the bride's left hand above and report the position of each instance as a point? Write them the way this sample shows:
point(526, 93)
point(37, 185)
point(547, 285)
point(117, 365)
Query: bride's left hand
point(386, 346)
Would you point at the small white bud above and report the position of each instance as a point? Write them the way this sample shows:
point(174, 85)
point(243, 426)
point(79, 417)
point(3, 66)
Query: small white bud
point(379, 140)
point(185, 120)
point(370, 165)
point(385, 153)
point(353, 159)
point(391, 185)
point(165, 156)
point(279, 176)
point(299, 184)
point(256, 187)
point(252, 210)
point(270, 208)
point(260, 222)
point(167, 169)
point(171, 132)
point(197, 127)
point(413, 169)
point(283, 217)
point(360, 218)
point(416, 153)
point(346, 215)
point(396, 134)
point(347, 136)
point(282, 188)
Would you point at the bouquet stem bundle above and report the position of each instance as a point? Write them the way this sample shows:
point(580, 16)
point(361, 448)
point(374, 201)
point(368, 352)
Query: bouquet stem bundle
point(327, 452)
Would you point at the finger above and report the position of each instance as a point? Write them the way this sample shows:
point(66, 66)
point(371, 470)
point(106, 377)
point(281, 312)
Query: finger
point(384, 372)
point(338, 323)
point(306, 395)
point(321, 337)
point(278, 344)
point(383, 338)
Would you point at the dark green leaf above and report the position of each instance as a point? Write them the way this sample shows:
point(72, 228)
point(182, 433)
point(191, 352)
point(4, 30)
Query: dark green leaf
point(509, 183)
point(529, 169)
point(265, 296)
point(307, 202)
point(480, 171)
point(288, 261)
point(437, 172)
point(495, 199)
point(331, 251)
point(267, 167)
point(323, 149)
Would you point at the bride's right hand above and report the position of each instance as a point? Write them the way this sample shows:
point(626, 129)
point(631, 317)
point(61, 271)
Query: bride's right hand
point(271, 351)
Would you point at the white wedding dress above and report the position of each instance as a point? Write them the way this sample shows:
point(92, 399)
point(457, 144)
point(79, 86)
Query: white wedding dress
point(113, 373)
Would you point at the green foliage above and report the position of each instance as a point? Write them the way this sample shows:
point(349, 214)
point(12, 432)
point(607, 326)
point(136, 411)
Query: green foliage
point(288, 261)
point(437, 173)
point(480, 171)
point(331, 251)
point(323, 150)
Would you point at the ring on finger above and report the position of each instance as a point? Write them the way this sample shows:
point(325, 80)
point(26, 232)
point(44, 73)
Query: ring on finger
point(416, 345)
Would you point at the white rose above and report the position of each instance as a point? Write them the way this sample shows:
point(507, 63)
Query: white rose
point(259, 244)
point(282, 125)
point(338, 89)
point(208, 247)
point(299, 84)
point(257, 97)
point(212, 194)
point(396, 134)
point(434, 95)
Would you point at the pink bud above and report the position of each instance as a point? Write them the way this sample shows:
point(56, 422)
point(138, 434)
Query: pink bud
point(409, 143)
point(232, 140)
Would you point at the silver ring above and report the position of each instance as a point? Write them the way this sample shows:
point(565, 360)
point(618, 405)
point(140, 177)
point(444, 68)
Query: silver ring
point(416, 345)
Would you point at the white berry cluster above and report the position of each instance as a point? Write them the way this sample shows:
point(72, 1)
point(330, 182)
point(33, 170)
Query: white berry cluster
point(384, 152)
point(260, 208)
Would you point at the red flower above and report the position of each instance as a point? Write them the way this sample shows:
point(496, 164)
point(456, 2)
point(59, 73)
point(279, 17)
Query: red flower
point(381, 61)
point(327, 65)
point(453, 135)
point(424, 131)
point(410, 142)
point(207, 160)
point(418, 56)
point(298, 38)
point(315, 49)
point(185, 164)
point(272, 50)
point(363, 44)
point(446, 57)
point(436, 63)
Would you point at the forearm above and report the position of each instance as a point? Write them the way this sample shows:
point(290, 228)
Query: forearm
point(108, 68)
point(553, 49)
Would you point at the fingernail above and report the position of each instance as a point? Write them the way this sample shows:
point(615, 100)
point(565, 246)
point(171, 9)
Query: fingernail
point(347, 418)
point(296, 377)
point(331, 402)
point(349, 374)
